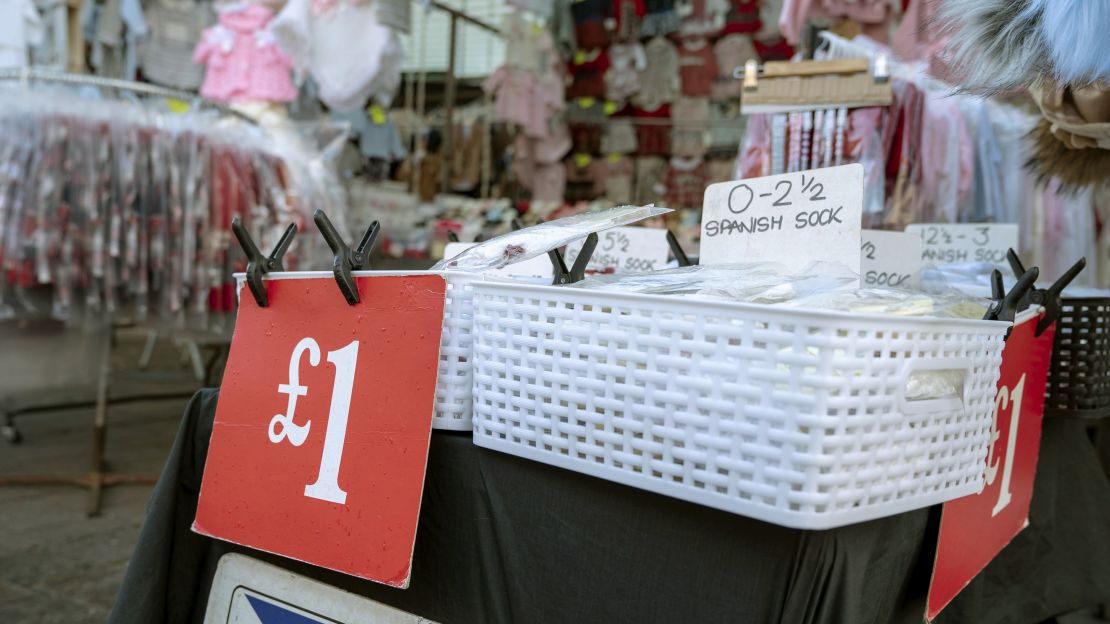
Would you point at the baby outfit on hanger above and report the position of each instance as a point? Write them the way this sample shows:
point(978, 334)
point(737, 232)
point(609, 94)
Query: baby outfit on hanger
point(627, 14)
point(622, 80)
point(352, 56)
point(649, 170)
point(683, 184)
point(53, 50)
point(654, 137)
point(243, 62)
point(585, 178)
point(618, 136)
point(731, 52)
point(701, 18)
point(691, 124)
point(661, 18)
point(113, 28)
point(697, 67)
point(589, 23)
point(742, 17)
point(660, 75)
point(720, 170)
point(588, 73)
point(166, 56)
point(20, 29)
point(616, 177)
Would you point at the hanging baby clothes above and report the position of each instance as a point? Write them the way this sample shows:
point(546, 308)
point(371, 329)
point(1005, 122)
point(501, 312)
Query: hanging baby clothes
point(20, 28)
point(720, 170)
point(731, 52)
point(585, 178)
point(697, 67)
point(742, 17)
point(53, 50)
point(341, 43)
point(589, 23)
point(683, 184)
point(661, 19)
point(872, 15)
point(243, 61)
point(626, 61)
point(616, 176)
point(166, 56)
point(627, 14)
point(619, 136)
point(660, 75)
point(649, 170)
point(691, 124)
point(528, 87)
point(561, 27)
point(653, 133)
point(113, 28)
point(588, 72)
point(701, 18)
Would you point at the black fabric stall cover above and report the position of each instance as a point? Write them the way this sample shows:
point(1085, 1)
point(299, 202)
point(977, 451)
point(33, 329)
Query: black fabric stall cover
point(503, 539)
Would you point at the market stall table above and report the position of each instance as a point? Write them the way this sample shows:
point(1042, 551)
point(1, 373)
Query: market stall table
point(503, 539)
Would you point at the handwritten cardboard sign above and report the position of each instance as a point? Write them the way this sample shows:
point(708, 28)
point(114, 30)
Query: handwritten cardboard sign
point(890, 259)
point(793, 219)
point(965, 242)
point(625, 250)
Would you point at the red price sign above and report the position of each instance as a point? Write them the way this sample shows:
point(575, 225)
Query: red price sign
point(974, 529)
point(321, 435)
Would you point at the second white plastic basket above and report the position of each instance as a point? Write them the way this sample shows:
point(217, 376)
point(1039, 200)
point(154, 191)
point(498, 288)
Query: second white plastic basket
point(455, 386)
point(801, 418)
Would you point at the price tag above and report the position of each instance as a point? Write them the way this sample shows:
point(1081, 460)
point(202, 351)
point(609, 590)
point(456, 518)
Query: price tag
point(625, 250)
point(974, 529)
point(533, 268)
point(890, 259)
point(177, 106)
point(965, 242)
point(582, 160)
point(793, 219)
point(321, 435)
point(610, 108)
point(377, 114)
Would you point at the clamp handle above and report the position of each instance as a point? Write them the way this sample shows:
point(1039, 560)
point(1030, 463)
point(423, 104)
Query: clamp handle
point(259, 265)
point(346, 260)
point(1050, 298)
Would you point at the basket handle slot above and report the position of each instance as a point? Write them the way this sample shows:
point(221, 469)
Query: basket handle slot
point(933, 386)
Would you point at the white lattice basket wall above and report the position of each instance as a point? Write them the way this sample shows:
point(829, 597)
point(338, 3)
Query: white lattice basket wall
point(794, 417)
point(455, 386)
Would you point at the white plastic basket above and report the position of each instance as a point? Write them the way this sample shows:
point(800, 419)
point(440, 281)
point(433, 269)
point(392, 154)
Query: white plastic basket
point(794, 417)
point(455, 386)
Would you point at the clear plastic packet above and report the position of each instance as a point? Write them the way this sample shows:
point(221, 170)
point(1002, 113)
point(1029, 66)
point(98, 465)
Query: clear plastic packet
point(521, 245)
point(948, 303)
point(747, 282)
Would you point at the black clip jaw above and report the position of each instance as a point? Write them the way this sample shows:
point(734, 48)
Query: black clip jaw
point(1005, 305)
point(578, 270)
point(259, 265)
point(1050, 299)
point(346, 259)
point(452, 237)
point(677, 251)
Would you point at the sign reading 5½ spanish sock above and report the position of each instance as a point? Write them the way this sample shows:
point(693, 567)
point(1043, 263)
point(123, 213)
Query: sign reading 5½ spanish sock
point(321, 436)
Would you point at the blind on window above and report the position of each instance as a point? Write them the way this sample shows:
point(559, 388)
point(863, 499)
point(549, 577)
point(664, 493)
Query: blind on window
point(478, 52)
